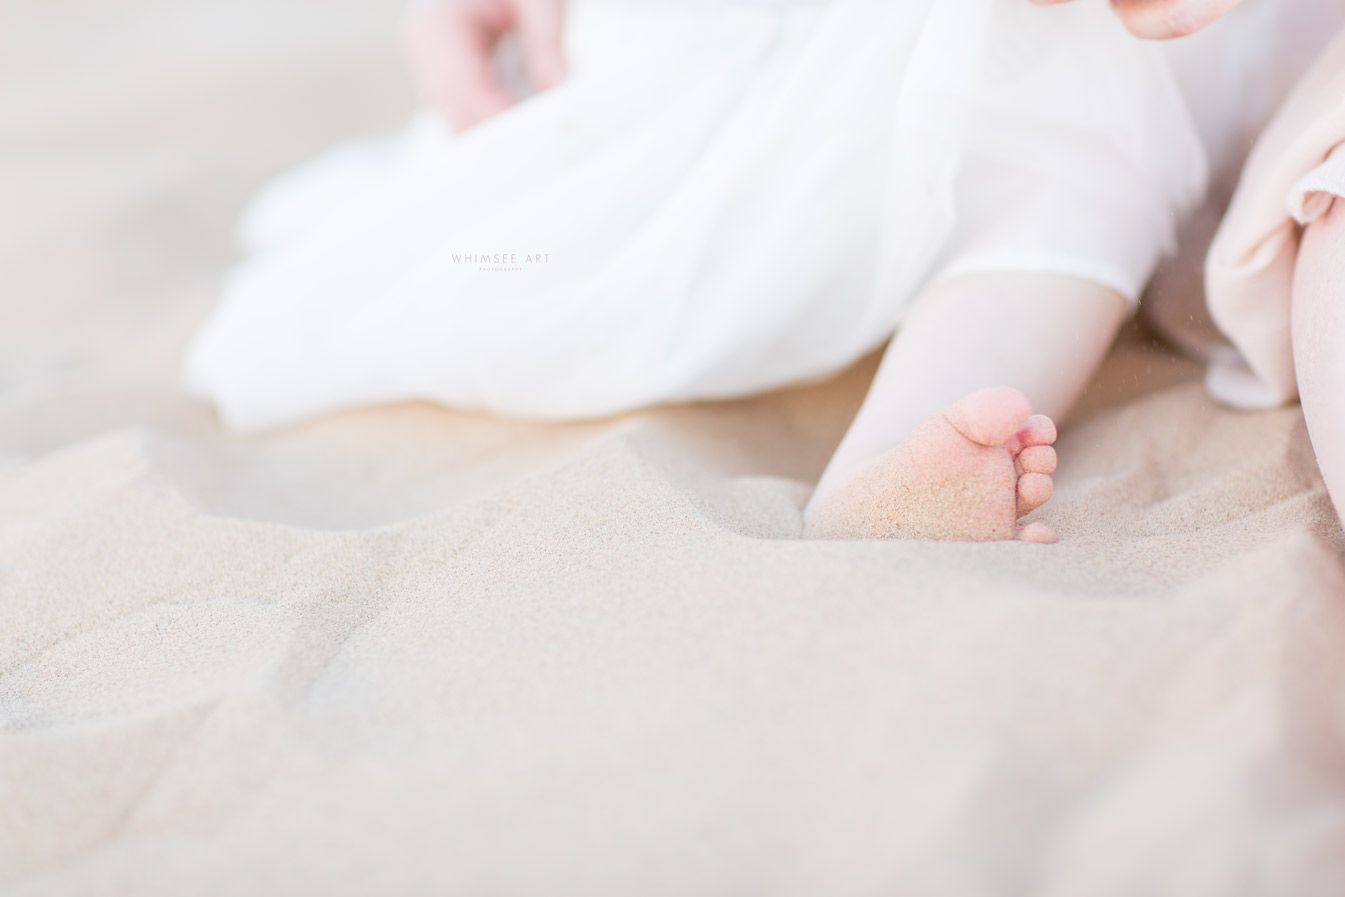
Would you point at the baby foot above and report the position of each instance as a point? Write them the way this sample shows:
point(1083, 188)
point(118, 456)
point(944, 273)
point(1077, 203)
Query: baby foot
point(966, 474)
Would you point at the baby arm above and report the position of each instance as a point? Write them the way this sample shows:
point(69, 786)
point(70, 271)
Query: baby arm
point(1164, 19)
point(450, 45)
point(945, 445)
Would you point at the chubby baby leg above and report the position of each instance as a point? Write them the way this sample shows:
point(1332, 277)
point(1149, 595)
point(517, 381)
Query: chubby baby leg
point(1318, 313)
point(946, 445)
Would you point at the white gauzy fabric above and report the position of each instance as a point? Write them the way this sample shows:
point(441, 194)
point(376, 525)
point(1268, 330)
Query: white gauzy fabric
point(724, 197)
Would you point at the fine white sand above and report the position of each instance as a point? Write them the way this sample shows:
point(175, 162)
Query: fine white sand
point(410, 651)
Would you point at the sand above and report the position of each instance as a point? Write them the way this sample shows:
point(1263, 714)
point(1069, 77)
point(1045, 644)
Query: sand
point(410, 651)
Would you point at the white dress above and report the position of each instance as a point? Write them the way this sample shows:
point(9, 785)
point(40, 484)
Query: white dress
point(726, 196)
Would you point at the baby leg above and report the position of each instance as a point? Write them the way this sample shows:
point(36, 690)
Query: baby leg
point(945, 445)
point(1319, 333)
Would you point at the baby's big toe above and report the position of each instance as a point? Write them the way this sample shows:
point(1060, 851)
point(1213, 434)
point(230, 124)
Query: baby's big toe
point(991, 416)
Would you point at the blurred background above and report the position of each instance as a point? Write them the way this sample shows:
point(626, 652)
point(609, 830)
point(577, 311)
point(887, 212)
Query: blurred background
point(131, 134)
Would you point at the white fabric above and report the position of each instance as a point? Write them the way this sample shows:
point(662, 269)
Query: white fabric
point(726, 196)
point(1313, 196)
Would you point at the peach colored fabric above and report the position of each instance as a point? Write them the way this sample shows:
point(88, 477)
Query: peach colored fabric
point(1250, 271)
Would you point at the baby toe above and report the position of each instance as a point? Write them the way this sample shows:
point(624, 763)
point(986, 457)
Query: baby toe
point(1039, 430)
point(1034, 490)
point(991, 416)
point(1037, 459)
point(1039, 533)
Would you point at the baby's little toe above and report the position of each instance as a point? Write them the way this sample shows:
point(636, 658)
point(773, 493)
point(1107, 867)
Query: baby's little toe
point(1034, 490)
point(1039, 533)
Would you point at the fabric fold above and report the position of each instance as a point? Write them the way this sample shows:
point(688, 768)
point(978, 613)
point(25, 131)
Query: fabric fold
point(1291, 178)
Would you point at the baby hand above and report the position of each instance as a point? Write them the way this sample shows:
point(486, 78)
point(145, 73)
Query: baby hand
point(1162, 19)
point(451, 45)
